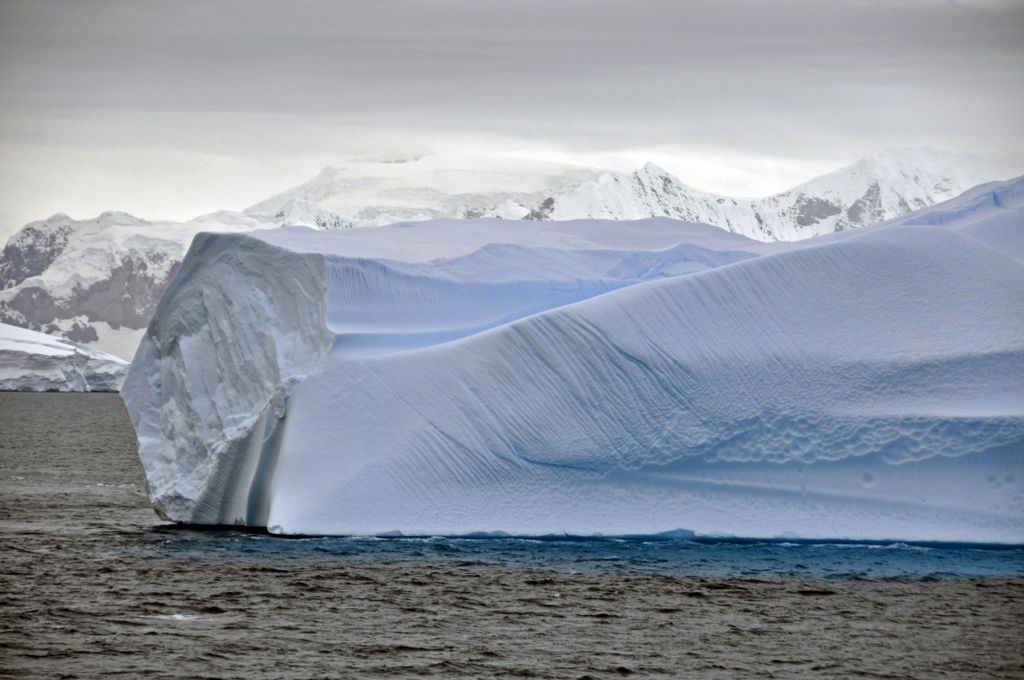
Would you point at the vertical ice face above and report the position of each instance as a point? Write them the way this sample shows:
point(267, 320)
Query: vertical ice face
point(238, 326)
point(593, 377)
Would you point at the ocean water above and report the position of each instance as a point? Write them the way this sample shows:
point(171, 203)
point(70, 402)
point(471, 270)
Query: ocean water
point(703, 558)
point(93, 584)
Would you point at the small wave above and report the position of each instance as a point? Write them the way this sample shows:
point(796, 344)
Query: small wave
point(183, 617)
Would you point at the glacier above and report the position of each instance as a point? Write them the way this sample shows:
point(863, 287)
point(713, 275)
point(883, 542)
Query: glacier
point(36, 362)
point(591, 377)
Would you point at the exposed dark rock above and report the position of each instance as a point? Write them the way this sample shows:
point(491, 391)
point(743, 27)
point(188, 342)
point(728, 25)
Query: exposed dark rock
point(82, 334)
point(128, 298)
point(33, 306)
point(542, 211)
point(813, 210)
point(33, 249)
point(866, 209)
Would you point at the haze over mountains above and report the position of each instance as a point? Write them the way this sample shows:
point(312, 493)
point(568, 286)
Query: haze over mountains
point(97, 281)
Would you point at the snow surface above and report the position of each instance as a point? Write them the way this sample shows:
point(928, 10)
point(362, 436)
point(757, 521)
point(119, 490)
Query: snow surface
point(591, 377)
point(36, 362)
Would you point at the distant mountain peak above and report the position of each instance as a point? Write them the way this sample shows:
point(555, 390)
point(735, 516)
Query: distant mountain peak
point(652, 168)
point(299, 212)
point(117, 217)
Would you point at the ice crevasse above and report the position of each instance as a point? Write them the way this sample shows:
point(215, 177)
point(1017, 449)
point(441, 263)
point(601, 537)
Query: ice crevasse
point(595, 377)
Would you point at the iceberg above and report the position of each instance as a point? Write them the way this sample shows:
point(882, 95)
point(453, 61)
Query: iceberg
point(588, 377)
point(36, 362)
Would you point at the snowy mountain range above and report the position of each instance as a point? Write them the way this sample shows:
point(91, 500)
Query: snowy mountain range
point(97, 281)
point(889, 184)
point(870, 191)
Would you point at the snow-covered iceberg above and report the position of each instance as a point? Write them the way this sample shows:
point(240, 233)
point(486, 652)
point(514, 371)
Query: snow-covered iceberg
point(36, 362)
point(593, 377)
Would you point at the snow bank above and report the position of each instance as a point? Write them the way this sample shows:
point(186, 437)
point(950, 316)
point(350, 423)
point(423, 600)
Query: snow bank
point(36, 362)
point(589, 377)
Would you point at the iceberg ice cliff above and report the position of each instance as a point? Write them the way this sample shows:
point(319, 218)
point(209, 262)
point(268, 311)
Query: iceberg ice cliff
point(595, 377)
point(35, 362)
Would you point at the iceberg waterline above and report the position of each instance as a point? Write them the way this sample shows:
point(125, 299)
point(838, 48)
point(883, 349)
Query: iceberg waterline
point(589, 377)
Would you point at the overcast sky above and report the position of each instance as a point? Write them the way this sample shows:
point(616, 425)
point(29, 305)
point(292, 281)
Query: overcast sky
point(171, 109)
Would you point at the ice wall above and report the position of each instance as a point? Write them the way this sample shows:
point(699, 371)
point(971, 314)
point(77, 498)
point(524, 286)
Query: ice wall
point(237, 327)
point(37, 362)
point(450, 378)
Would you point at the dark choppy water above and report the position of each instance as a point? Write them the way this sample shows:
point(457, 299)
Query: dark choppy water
point(92, 584)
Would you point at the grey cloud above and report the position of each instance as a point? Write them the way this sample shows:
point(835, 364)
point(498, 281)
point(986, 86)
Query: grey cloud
point(602, 59)
point(801, 79)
